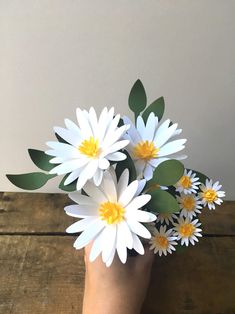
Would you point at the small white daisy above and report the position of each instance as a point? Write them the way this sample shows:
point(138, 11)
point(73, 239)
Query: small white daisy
point(188, 183)
point(149, 144)
point(166, 217)
point(187, 230)
point(190, 205)
point(211, 194)
point(162, 241)
point(112, 218)
point(90, 147)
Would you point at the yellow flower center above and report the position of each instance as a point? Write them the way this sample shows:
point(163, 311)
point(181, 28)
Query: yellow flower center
point(161, 241)
point(90, 147)
point(145, 150)
point(210, 195)
point(189, 203)
point(112, 213)
point(186, 182)
point(186, 230)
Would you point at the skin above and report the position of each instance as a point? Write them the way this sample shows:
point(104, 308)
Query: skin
point(119, 289)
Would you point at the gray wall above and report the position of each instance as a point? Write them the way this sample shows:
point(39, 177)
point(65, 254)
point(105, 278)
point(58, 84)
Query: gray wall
point(57, 55)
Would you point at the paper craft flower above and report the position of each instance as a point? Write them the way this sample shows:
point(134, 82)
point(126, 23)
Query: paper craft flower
point(187, 231)
point(121, 175)
point(211, 194)
point(190, 205)
point(163, 241)
point(90, 147)
point(150, 143)
point(188, 183)
point(111, 217)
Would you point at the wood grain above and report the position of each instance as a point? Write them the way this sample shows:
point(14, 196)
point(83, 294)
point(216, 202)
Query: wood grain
point(44, 274)
point(41, 212)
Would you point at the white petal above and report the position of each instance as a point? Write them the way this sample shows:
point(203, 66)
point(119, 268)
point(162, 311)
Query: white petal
point(172, 147)
point(72, 126)
point(83, 123)
point(80, 225)
point(137, 244)
point(68, 166)
point(62, 150)
point(109, 234)
point(149, 129)
point(80, 199)
point(139, 165)
point(166, 135)
point(124, 230)
point(138, 202)
point(89, 233)
point(122, 182)
point(141, 185)
point(72, 176)
point(132, 130)
point(111, 257)
point(161, 129)
point(69, 136)
point(97, 246)
point(117, 156)
point(98, 177)
point(115, 147)
point(128, 193)
point(103, 163)
point(95, 193)
point(148, 172)
point(139, 229)
point(140, 125)
point(141, 216)
point(109, 187)
point(93, 120)
point(81, 211)
point(121, 245)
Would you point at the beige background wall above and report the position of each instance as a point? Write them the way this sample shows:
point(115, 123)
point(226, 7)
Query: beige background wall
point(56, 55)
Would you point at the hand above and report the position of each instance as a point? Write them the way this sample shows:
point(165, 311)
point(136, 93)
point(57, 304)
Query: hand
point(119, 289)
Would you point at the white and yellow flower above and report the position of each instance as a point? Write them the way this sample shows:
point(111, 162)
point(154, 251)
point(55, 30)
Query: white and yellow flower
point(111, 217)
point(210, 194)
point(188, 183)
point(166, 218)
point(150, 144)
point(190, 205)
point(187, 230)
point(90, 147)
point(163, 241)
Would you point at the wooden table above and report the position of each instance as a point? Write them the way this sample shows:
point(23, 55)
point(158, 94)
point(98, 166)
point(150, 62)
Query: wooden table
point(41, 272)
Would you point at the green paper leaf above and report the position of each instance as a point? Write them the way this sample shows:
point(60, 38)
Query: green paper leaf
point(137, 99)
point(202, 177)
point(126, 164)
point(162, 202)
point(157, 107)
point(168, 172)
point(30, 181)
point(41, 159)
point(68, 188)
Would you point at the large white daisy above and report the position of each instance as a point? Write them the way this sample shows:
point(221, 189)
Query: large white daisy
point(187, 231)
point(111, 217)
point(90, 146)
point(163, 241)
point(190, 205)
point(149, 144)
point(188, 183)
point(211, 194)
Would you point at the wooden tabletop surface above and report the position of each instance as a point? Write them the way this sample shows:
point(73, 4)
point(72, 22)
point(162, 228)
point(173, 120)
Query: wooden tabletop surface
point(41, 272)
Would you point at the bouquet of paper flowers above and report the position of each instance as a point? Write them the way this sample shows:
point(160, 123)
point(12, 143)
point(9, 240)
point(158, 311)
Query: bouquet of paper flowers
point(127, 180)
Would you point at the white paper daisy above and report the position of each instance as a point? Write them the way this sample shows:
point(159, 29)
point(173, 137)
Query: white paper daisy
point(90, 146)
point(111, 217)
point(149, 144)
point(211, 194)
point(190, 205)
point(187, 231)
point(166, 218)
point(188, 183)
point(163, 241)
